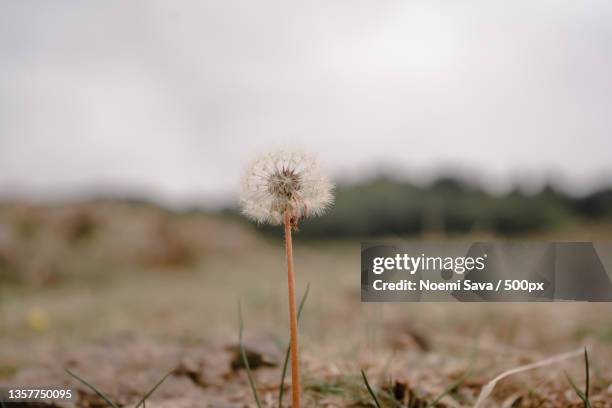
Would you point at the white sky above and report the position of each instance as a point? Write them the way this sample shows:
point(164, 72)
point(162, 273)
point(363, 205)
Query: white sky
point(172, 98)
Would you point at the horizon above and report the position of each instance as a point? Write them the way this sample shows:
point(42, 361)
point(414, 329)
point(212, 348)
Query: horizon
point(95, 192)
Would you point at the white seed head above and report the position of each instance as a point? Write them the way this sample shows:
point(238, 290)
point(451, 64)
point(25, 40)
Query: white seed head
point(285, 181)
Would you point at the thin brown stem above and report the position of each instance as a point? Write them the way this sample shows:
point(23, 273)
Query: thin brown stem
point(295, 368)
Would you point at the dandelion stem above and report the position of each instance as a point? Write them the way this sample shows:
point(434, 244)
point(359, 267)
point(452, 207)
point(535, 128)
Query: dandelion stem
point(295, 375)
point(288, 352)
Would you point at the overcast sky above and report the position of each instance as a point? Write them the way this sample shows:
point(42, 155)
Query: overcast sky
point(172, 98)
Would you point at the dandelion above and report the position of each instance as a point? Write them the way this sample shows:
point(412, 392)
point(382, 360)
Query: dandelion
point(284, 187)
point(285, 181)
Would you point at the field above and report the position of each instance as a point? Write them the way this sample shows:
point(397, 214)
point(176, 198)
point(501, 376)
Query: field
point(122, 293)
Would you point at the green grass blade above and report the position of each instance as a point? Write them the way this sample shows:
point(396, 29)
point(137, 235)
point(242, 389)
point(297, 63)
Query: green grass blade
point(152, 390)
point(245, 360)
point(577, 390)
point(281, 391)
point(451, 387)
point(98, 392)
point(584, 396)
point(586, 367)
point(365, 380)
point(459, 380)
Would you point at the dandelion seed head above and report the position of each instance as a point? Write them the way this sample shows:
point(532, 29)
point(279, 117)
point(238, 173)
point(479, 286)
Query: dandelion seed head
point(285, 181)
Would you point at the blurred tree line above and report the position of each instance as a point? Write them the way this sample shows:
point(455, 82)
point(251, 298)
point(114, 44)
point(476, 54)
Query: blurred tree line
point(384, 206)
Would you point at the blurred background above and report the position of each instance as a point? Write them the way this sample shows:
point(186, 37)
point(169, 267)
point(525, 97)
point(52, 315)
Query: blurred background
point(125, 126)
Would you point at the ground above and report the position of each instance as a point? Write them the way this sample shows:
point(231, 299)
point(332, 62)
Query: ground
point(123, 295)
